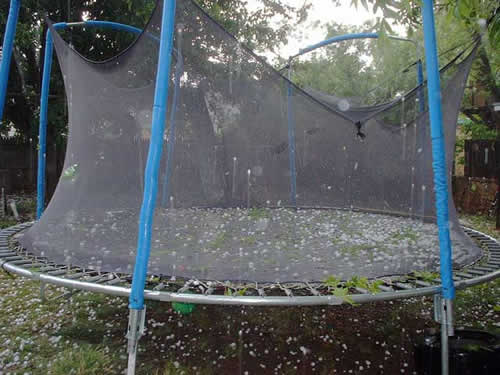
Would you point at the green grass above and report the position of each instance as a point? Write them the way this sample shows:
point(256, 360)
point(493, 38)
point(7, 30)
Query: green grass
point(481, 223)
point(85, 360)
point(7, 222)
point(259, 213)
point(219, 241)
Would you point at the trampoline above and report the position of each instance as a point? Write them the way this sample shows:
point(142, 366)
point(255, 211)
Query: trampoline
point(264, 194)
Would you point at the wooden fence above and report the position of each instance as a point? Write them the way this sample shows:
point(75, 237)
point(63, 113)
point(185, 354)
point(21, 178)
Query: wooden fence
point(482, 158)
point(18, 165)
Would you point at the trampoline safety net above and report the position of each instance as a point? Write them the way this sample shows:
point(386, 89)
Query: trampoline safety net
point(259, 180)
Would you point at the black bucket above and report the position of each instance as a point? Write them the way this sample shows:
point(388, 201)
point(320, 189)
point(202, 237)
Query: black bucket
point(471, 352)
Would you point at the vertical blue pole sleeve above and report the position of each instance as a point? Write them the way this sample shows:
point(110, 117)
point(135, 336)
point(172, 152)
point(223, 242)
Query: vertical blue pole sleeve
point(42, 131)
point(438, 149)
point(136, 300)
point(8, 45)
point(291, 146)
point(420, 81)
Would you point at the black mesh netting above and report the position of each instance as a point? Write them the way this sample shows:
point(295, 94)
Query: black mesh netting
point(363, 176)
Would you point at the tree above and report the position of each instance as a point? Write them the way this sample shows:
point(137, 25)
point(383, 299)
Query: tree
point(456, 19)
point(476, 17)
point(370, 70)
point(264, 26)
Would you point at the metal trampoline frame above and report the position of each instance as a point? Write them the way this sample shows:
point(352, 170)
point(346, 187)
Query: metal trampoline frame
point(15, 260)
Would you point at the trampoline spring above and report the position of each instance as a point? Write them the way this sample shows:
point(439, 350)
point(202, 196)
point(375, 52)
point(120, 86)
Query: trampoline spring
point(464, 275)
point(185, 288)
point(486, 268)
point(361, 290)
point(47, 268)
point(57, 272)
point(287, 291)
point(76, 276)
point(422, 283)
point(93, 279)
point(385, 288)
point(404, 286)
point(113, 281)
point(476, 272)
point(160, 286)
point(313, 290)
point(20, 262)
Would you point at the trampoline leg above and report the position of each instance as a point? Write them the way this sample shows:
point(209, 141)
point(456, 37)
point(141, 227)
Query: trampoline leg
point(135, 331)
point(443, 313)
point(42, 291)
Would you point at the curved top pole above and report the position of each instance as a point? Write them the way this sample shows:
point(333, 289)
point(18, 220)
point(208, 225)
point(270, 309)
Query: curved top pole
point(8, 45)
point(341, 38)
point(335, 39)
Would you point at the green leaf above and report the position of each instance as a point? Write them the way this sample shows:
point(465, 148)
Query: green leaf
point(464, 9)
point(343, 293)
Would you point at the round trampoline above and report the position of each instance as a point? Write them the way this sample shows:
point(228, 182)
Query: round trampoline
point(265, 194)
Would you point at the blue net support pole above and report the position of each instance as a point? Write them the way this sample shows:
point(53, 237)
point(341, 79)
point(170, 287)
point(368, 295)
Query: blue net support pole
point(440, 179)
point(438, 150)
point(171, 140)
point(8, 46)
point(42, 130)
point(291, 139)
point(109, 25)
point(136, 300)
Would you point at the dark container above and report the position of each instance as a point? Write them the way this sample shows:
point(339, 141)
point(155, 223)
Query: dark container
point(471, 352)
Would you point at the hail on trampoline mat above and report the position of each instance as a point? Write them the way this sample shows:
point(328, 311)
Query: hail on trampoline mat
point(275, 244)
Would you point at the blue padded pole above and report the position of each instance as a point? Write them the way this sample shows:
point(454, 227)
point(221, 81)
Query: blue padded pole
point(291, 140)
point(171, 140)
point(336, 39)
point(8, 45)
point(136, 300)
point(42, 132)
point(438, 149)
point(112, 25)
point(442, 305)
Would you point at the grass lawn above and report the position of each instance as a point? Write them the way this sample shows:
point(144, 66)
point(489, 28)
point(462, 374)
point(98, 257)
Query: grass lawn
point(85, 333)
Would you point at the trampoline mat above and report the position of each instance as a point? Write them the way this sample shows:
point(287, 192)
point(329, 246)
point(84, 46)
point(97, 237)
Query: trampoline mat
point(257, 244)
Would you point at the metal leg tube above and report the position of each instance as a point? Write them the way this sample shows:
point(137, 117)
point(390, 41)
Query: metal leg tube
point(135, 331)
point(42, 291)
point(443, 314)
point(42, 133)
